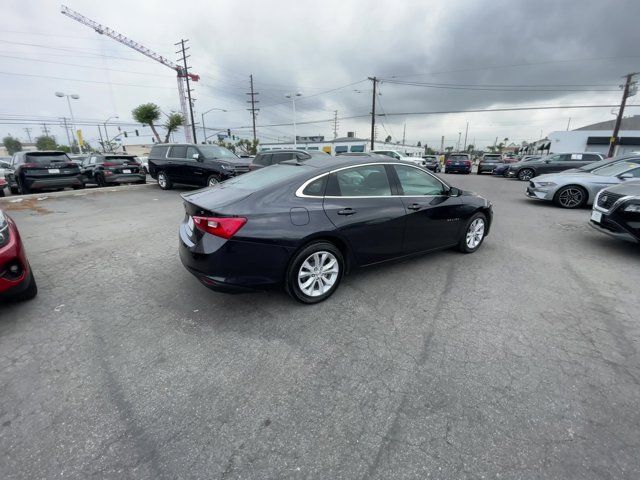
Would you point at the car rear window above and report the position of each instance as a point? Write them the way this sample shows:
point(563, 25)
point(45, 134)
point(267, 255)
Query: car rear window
point(46, 158)
point(459, 157)
point(265, 177)
point(120, 160)
point(492, 157)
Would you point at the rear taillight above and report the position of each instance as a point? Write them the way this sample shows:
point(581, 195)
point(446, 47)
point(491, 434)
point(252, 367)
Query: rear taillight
point(109, 164)
point(30, 165)
point(467, 163)
point(448, 162)
point(225, 227)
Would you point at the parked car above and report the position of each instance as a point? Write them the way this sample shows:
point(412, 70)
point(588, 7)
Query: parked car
point(192, 164)
point(602, 163)
point(554, 163)
point(43, 170)
point(399, 156)
point(502, 169)
point(17, 281)
point(5, 166)
point(458, 162)
point(3, 185)
point(304, 225)
point(432, 163)
point(616, 211)
point(264, 159)
point(144, 162)
point(79, 159)
point(574, 190)
point(489, 162)
point(112, 169)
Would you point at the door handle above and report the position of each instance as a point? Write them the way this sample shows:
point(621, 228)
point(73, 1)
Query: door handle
point(346, 211)
point(414, 206)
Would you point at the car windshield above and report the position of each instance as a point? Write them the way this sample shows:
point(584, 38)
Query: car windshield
point(46, 158)
point(615, 169)
point(214, 151)
point(590, 167)
point(264, 177)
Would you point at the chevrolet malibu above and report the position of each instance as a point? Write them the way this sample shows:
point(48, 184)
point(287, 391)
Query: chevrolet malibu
point(304, 225)
point(574, 190)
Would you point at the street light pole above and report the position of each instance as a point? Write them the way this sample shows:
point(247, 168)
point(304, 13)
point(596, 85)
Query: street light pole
point(107, 133)
point(293, 96)
point(204, 130)
point(73, 120)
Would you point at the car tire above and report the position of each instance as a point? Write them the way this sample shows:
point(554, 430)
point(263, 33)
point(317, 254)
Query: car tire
point(213, 180)
point(22, 190)
point(164, 181)
point(31, 291)
point(326, 279)
point(78, 187)
point(142, 182)
point(474, 233)
point(526, 174)
point(100, 181)
point(1, 192)
point(571, 196)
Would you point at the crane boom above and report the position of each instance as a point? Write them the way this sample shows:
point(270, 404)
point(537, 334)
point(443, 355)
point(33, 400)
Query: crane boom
point(118, 37)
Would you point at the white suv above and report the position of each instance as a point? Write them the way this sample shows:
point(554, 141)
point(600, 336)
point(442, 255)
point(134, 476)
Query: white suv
point(398, 156)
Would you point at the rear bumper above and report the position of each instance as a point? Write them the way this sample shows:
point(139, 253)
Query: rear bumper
point(457, 168)
point(13, 253)
point(486, 168)
point(233, 266)
point(125, 178)
point(59, 182)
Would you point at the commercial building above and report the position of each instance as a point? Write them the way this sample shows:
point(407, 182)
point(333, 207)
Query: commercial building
point(348, 144)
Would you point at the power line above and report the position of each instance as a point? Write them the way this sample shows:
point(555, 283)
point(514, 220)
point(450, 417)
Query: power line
point(82, 81)
point(493, 88)
point(511, 109)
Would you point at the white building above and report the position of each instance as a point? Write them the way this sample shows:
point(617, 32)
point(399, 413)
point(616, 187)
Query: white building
point(596, 137)
point(348, 144)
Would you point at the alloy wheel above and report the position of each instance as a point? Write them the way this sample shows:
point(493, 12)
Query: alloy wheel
point(525, 175)
point(213, 181)
point(318, 273)
point(162, 180)
point(571, 197)
point(475, 232)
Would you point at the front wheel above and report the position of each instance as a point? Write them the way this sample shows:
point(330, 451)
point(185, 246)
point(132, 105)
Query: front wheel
point(315, 273)
point(525, 174)
point(31, 291)
point(100, 181)
point(164, 182)
point(474, 233)
point(571, 196)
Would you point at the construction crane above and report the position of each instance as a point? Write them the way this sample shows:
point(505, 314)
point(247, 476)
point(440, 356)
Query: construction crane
point(182, 72)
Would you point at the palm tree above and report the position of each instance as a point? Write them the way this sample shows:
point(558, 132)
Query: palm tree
point(147, 114)
point(174, 120)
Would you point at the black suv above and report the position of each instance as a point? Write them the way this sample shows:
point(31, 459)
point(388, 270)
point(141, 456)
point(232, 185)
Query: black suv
point(112, 169)
point(264, 159)
point(42, 170)
point(553, 163)
point(192, 164)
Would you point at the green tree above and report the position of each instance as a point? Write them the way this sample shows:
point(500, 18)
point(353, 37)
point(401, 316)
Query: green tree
point(12, 144)
point(248, 146)
point(227, 145)
point(448, 149)
point(148, 114)
point(174, 120)
point(46, 142)
point(388, 139)
point(471, 148)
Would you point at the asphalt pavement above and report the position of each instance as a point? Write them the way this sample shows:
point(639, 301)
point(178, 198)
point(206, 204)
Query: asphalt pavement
point(519, 361)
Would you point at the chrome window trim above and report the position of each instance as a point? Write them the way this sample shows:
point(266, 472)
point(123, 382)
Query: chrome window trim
point(299, 191)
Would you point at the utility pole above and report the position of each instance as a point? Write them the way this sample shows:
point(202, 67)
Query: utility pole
point(253, 108)
point(404, 132)
point(335, 124)
point(373, 111)
point(28, 130)
point(442, 144)
point(101, 139)
point(66, 129)
point(466, 131)
point(183, 50)
point(626, 93)
point(568, 123)
point(45, 129)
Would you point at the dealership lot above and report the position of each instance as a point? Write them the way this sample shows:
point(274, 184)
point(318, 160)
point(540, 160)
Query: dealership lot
point(519, 361)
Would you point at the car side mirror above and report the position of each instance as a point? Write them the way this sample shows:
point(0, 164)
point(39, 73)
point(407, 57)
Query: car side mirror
point(547, 161)
point(454, 192)
point(197, 157)
point(626, 176)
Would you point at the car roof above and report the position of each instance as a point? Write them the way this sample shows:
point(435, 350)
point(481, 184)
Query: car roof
point(332, 163)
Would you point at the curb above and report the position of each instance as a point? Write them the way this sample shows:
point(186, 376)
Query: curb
point(72, 193)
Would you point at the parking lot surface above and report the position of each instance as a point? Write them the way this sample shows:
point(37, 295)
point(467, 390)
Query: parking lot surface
point(518, 361)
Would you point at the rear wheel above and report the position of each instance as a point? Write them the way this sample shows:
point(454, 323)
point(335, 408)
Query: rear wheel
point(23, 189)
point(315, 272)
point(473, 235)
point(571, 196)
point(78, 187)
point(100, 180)
point(525, 174)
point(164, 182)
point(213, 180)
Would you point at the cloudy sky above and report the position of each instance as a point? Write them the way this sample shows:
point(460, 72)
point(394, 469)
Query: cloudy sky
point(431, 56)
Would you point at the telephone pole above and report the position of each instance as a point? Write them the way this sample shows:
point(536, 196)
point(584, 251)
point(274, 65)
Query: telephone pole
point(404, 132)
point(183, 51)
point(66, 129)
point(45, 129)
point(28, 130)
point(253, 108)
point(335, 124)
point(373, 111)
point(629, 89)
point(466, 131)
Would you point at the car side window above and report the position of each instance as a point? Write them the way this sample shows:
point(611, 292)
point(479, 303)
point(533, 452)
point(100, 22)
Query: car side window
point(281, 157)
point(303, 156)
point(635, 172)
point(417, 182)
point(316, 188)
point(363, 181)
point(93, 160)
point(159, 151)
point(178, 152)
point(577, 157)
point(590, 157)
point(191, 151)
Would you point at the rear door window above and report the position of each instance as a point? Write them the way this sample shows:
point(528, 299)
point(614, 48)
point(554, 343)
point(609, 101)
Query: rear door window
point(363, 181)
point(178, 151)
point(159, 151)
point(282, 157)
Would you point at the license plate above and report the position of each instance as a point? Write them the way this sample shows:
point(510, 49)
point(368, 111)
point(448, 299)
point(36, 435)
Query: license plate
point(596, 216)
point(54, 170)
point(126, 171)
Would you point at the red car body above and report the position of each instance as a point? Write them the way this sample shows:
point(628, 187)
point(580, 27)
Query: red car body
point(3, 184)
point(16, 278)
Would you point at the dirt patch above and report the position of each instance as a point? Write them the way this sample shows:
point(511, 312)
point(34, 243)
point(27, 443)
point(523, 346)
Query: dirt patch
point(26, 204)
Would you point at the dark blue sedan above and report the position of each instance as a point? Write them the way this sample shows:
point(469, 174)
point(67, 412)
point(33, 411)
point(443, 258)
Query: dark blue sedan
point(303, 225)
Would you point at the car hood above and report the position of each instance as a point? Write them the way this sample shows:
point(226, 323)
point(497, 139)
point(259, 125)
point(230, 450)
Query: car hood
point(626, 188)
